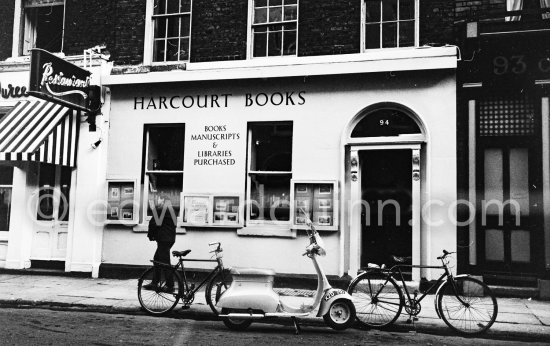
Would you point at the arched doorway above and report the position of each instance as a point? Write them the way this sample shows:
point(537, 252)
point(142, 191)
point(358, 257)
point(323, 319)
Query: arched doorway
point(385, 143)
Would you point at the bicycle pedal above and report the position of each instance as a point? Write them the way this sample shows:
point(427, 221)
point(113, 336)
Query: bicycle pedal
point(415, 319)
point(409, 321)
point(185, 307)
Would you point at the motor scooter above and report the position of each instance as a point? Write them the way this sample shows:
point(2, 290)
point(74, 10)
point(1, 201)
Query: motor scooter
point(251, 296)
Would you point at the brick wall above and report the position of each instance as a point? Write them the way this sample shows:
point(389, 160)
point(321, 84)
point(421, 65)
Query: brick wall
point(6, 27)
point(471, 10)
point(329, 27)
point(437, 21)
point(219, 30)
point(120, 25)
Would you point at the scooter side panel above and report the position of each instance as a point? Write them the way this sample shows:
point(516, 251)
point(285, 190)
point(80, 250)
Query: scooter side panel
point(252, 295)
point(331, 295)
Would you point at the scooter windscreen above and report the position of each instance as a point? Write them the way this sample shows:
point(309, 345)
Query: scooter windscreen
point(320, 243)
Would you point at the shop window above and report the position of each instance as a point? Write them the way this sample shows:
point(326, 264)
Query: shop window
point(42, 25)
point(274, 27)
point(6, 181)
point(390, 23)
point(269, 172)
point(171, 21)
point(163, 176)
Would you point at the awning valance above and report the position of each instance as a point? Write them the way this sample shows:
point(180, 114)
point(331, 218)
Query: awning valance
point(38, 130)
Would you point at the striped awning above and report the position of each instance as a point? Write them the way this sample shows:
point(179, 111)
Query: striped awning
point(38, 130)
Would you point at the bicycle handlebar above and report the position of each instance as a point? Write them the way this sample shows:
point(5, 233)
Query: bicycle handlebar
point(445, 254)
point(218, 249)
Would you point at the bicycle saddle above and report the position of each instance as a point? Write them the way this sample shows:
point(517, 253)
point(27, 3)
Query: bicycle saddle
point(398, 259)
point(181, 253)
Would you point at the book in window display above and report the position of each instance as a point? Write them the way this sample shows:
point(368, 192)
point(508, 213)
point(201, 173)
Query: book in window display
point(316, 201)
point(197, 209)
point(226, 210)
point(120, 200)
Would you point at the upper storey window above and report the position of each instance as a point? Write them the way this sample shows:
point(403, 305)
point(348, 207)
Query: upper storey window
point(390, 23)
point(274, 27)
point(42, 25)
point(171, 30)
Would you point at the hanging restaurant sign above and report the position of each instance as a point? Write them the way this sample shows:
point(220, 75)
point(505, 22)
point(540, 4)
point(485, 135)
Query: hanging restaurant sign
point(59, 81)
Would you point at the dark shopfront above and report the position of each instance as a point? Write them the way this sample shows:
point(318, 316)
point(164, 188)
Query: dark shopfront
point(504, 124)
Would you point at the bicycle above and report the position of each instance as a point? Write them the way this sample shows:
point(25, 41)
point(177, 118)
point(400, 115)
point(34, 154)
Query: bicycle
point(465, 304)
point(163, 298)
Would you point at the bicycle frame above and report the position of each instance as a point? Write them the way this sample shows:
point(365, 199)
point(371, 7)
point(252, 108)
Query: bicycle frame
point(190, 292)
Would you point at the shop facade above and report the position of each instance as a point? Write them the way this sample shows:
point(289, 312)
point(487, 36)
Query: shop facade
point(503, 102)
point(367, 148)
point(44, 150)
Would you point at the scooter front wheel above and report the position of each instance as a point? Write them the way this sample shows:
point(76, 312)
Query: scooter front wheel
point(235, 324)
point(340, 315)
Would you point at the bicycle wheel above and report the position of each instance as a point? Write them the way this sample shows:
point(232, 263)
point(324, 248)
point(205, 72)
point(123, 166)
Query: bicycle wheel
point(377, 298)
point(158, 299)
point(215, 288)
point(468, 306)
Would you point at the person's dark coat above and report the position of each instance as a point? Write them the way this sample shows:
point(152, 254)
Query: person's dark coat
point(162, 229)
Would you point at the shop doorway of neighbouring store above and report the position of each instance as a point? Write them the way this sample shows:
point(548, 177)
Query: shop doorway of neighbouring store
point(49, 242)
point(387, 201)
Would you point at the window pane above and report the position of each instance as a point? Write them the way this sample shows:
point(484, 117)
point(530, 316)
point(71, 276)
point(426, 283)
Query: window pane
point(46, 183)
point(289, 43)
point(274, 46)
point(260, 3)
point(160, 28)
point(270, 196)
point(159, 7)
point(173, 6)
point(65, 190)
point(389, 35)
point(493, 178)
point(5, 207)
point(373, 11)
point(167, 187)
point(406, 9)
point(271, 147)
point(372, 39)
point(184, 49)
point(173, 27)
point(406, 34)
point(519, 180)
point(260, 44)
point(185, 6)
point(260, 15)
point(185, 26)
point(385, 123)
point(289, 2)
point(389, 10)
point(6, 175)
point(172, 49)
point(275, 14)
point(158, 50)
point(49, 27)
point(166, 145)
point(291, 12)
point(275, 2)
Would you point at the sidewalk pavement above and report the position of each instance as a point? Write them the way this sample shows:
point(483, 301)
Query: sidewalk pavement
point(518, 318)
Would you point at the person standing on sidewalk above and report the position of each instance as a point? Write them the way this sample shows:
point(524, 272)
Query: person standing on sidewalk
point(162, 229)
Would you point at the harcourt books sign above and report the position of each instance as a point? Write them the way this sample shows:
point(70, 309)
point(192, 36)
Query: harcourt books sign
point(59, 81)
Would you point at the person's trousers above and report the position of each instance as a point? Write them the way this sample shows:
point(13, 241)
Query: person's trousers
point(163, 255)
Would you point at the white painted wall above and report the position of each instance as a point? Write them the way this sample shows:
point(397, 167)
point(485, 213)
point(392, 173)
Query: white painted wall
point(330, 104)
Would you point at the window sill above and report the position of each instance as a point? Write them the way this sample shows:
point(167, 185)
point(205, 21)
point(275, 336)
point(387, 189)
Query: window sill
point(268, 231)
point(4, 236)
point(143, 228)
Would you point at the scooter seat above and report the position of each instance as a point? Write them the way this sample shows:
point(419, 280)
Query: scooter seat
point(252, 271)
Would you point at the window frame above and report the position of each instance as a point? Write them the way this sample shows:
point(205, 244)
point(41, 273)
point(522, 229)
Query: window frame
point(21, 28)
point(250, 173)
point(10, 186)
point(148, 56)
point(145, 171)
point(364, 31)
point(250, 31)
